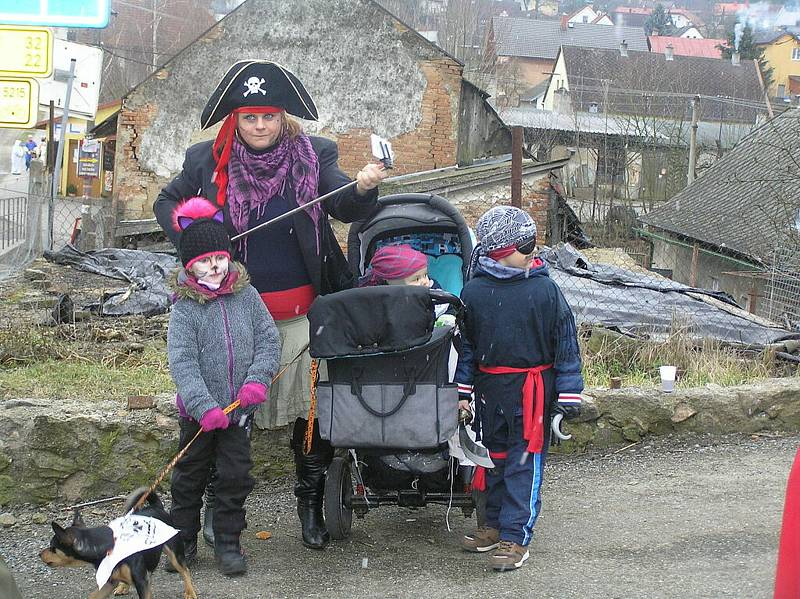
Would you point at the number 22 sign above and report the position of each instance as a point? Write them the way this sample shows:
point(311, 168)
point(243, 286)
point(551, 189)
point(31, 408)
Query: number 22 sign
point(26, 51)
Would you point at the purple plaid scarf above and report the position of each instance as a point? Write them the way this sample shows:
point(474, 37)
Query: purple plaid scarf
point(254, 179)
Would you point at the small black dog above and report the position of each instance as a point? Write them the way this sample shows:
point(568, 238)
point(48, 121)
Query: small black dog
point(79, 545)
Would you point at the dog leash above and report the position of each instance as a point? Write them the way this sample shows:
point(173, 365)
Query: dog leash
point(312, 408)
point(182, 452)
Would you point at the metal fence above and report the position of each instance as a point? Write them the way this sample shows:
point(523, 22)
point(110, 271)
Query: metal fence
point(13, 221)
point(33, 221)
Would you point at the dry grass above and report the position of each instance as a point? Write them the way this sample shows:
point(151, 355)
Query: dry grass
point(76, 362)
point(699, 362)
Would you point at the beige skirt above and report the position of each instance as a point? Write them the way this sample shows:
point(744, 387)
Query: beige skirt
point(290, 396)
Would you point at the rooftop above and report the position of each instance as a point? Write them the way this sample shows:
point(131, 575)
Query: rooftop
point(682, 46)
point(532, 38)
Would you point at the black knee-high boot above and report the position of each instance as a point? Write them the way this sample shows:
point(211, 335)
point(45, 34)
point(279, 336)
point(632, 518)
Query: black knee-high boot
point(310, 485)
point(208, 515)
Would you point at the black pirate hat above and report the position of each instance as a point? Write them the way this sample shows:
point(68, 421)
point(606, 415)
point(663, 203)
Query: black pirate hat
point(258, 83)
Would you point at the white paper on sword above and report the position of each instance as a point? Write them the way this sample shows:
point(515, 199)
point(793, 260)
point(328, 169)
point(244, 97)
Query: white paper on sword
point(132, 534)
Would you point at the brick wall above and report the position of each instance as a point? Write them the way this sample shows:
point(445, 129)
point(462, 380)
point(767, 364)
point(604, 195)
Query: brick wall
point(432, 144)
point(134, 188)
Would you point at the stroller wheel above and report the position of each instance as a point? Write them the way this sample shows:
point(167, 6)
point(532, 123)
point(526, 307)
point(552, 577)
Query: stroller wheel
point(338, 493)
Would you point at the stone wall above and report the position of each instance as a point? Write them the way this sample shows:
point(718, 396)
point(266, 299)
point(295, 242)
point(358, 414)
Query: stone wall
point(73, 451)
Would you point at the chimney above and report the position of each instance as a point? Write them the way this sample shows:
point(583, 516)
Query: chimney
point(564, 22)
point(669, 52)
point(736, 59)
point(623, 48)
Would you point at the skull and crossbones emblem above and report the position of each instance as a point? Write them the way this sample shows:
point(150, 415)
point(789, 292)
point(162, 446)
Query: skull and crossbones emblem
point(253, 86)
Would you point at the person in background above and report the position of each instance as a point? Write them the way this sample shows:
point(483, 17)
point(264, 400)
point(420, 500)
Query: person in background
point(17, 157)
point(30, 152)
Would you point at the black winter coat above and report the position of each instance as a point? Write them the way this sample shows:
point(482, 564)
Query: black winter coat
point(347, 206)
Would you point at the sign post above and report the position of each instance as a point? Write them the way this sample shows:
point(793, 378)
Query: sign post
point(25, 52)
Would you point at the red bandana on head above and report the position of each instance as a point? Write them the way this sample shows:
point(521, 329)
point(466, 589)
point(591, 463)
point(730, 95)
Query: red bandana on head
point(392, 262)
point(221, 149)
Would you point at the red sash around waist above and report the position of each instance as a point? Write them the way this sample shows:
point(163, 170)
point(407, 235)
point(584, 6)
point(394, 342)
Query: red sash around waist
point(532, 402)
point(290, 303)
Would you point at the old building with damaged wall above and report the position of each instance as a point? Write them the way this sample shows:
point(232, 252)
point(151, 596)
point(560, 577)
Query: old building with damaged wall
point(367, 72)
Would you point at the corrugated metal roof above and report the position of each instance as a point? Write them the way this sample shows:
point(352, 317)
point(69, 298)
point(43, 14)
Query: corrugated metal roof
point(532, 38)
point(748, 201)
point(646, 83)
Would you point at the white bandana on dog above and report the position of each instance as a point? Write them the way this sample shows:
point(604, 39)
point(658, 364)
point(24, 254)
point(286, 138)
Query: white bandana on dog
point(131, 535)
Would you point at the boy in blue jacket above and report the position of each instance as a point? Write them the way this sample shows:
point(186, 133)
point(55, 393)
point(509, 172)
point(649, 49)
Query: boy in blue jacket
point(521, 358)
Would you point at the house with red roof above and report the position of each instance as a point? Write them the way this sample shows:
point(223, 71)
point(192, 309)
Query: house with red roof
point(684, 46)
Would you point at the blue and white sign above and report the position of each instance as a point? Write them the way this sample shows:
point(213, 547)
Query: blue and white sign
point(56, 13)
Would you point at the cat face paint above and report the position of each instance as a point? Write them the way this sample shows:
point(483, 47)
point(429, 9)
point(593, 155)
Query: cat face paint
point(211, 270)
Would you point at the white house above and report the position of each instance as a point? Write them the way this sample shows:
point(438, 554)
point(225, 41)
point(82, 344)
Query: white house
point(691, 32)
point(587, 14)
point(682, 18)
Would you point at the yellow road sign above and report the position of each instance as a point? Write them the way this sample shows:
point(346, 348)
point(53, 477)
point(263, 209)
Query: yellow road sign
point(19, 103)
point(25, 51)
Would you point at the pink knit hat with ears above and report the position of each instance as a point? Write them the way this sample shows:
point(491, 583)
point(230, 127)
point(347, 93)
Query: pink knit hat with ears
point(202, 230)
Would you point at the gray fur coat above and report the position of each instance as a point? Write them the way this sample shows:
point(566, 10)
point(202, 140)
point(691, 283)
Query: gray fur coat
point(216, 345)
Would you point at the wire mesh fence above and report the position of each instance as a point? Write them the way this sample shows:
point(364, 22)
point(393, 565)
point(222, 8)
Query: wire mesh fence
point(32, 222)
point(615, 273)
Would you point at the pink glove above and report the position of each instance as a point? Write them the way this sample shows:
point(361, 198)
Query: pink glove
point(252, 394)
point(213, 419)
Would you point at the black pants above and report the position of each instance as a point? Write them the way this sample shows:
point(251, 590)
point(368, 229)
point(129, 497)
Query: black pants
point(229, 451)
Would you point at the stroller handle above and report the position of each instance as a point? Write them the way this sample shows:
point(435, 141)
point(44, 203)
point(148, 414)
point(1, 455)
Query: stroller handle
point(440, 296)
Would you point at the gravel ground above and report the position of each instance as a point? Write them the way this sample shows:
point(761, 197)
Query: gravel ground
point(666, 518)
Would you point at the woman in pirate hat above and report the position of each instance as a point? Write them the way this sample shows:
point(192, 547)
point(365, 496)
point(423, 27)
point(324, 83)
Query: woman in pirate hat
point(262, 165)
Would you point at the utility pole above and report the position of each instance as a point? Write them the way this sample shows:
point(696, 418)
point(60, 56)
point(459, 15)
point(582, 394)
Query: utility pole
point(516, 166)
point(693, 139)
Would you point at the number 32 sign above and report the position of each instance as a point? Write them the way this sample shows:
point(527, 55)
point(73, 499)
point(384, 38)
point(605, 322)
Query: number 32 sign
point(25, 51)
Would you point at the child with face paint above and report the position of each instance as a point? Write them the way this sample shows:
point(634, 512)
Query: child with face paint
point(223, 345)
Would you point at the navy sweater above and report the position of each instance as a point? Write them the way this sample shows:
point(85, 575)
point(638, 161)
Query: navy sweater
point(522, 321)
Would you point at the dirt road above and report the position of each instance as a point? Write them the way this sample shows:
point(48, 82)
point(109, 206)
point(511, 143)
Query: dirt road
point(668, 518)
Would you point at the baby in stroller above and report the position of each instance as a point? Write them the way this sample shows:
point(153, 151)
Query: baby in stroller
point(389, 405)
point(403, 265)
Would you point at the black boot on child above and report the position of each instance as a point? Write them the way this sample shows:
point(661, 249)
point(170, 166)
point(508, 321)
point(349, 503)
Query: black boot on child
point(230, 557)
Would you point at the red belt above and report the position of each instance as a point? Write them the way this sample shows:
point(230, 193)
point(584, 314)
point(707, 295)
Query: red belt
point(532, 406)
point(289, 303)
point(479, 478)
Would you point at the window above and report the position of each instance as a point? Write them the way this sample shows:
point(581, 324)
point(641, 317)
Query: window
point(585, 19)
point(795, 53)
point(781, 91)
point(593, 107)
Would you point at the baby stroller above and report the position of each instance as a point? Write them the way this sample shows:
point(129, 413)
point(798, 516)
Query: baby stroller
point(388, 406)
